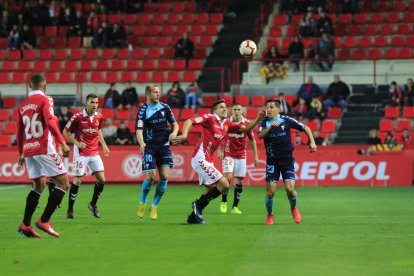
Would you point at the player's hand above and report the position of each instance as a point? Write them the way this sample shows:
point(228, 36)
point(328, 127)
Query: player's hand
point(66, 150)
point(106, 151)
point(142, 147)
point(81, 145)
point(275, 124)
point(21, 160)
point(255, 162)
point(262, 114)
point(60, 151)
point(312, 147)
point(172, 136)
point(179, 140)
point(220, 154)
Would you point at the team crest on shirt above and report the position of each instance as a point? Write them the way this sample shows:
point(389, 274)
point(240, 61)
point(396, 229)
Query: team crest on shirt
point(283, 128)
point(226, 128)
point(163, 113)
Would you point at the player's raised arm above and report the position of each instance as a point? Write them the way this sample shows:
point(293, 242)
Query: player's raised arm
point(183, 137)
point(174, 132)
point(140, 139)
point(264, 131)
point(312, 144)
point(253, 123)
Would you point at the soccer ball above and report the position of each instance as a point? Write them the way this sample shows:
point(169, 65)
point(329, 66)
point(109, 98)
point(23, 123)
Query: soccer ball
point(248, 48)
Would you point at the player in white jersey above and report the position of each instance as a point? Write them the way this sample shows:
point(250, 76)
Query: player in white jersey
point(36, 133)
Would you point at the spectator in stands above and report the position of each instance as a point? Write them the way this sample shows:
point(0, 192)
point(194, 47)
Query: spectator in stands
point(112, 98)
point(325, 49)
point(273, 68)
point(284, 106)
point(101, 36)
point(93, 23)
point(20, 22)
point(6, 24)
point(199, 92)
point(298, 140)
point(27, 38)
point(394, 95)
point(287, 7)
point(27, 12)
point(77, 25)
point(408, 93)
point(53, 12)
point(406, 138)
point(337, 94)
point(41, 13)
point(373, 137)
point(13, 41)
point(390, 140)
point(202, 6)
point(109, 132)
point(64, 116)
point(296, 51)
point(318, 5)
point(329, 139)
point(123, 135)
point(134, 6)
point(324, 24)
point(349, 6)
point(129, 96)
point(118, 37)
point(192, 93)
point(307, 91)
point(301, 110)
point(316, 110)
point(307, 27)
point(65, 17)
point(176, 96)
point(318, 140)
point(184, 48)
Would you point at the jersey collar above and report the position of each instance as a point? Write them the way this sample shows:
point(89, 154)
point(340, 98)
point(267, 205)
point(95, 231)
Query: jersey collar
point(84, 113)
point(36, 92)
point(232, 120)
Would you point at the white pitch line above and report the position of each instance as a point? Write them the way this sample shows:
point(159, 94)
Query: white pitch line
point(12, 187)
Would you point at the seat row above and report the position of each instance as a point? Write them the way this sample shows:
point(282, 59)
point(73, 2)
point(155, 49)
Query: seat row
point(93, 54)
point(104, 77)
point(100, 65)
point(391, 112)
point(390, 125)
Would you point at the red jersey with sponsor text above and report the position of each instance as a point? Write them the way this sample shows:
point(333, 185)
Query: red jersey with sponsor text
point(214, 131)
point(86, 130)
point(235, 145)
point(36, 125)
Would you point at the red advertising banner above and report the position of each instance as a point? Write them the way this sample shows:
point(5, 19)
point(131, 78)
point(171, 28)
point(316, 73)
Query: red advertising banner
point(321, 169)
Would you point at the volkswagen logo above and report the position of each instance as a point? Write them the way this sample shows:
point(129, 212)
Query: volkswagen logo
point(132, 166)
point(178, 160)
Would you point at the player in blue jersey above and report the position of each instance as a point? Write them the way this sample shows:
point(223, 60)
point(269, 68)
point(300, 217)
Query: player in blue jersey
point(154, 133)
point(275, 130)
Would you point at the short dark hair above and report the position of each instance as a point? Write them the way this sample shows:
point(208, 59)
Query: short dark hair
point(236, 103)
point(276, 101)
point(216, 103)
point(149, 87)
point(91, 96)
point(393, 83)
point(36, 80)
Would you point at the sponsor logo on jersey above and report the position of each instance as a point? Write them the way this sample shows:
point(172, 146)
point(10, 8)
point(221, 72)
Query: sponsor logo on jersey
point(140, 123)
point(219, 136)
point(236, 135)
point(31, 145)
point(90, 130)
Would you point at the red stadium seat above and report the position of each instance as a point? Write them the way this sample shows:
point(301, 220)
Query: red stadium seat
point(107, 54)
point(371, 30)
point(187, 113)
point(279, 20)
point(122, 54)
point(386, 125)
point(403, 124)
point(117, 65)
point(111, 77)
point(380, 41)
point(128, 76)
point(92, 54)
point(24, 66)
point(391, 53)
point(251, 112)
point(275, 31)
point(187, 19)
point(147, 41)
point(9, 102)
point(344, 54)
point(387, 29)
point(65, 77)
point(398, 41)
point(345, 19)
point(179, 64)
point(228, 100)
point(123, 114)
point(14, 55)
point(154, 53)
point(349, 42)
point(411, 6)
point(243, 100)
point(4, 115)
point(153, 30)
point(375, 54)
point(408, 112)
point(206, 41)
point(133, 65)
point(197, 30)
point(142, 77)
point(209, 100)
point(86, 65)
point(334, 113)
point(102, 65)
point(377, 18)
point(74, 42)
point(149, 64)
point(391, 112)
point(130, 19)
point(4, 77)
point(313, 125)
point(158, 20)
point(202, 18)
point(138, 30)
point(404, 29)
point(9, 66)
point(328, 126)
point(392, 18)
point(178, 7)
point(258, 100)
point(399, 6)
point(72, 65)
point(108, 112)
point(114, 19)
point(365, 42)
point(203, 110)
point(19, 78)
point(158, 76)
point(138, 53)
point(360, 18)
point(61, 54)
point(51, 77)
point(97, 77)
point(405, 53)
point(51, 31)
point(359, 54)
point(45, 54)
point(40, 66)
point(168, 30)
point(173, 19)
point(14, 114)
point(76, 54)
point(29, 54)
point(173, 76)
point(355, 30)
point(176, 112)
point(189, 76)
point(5, 140)
point(195, 64)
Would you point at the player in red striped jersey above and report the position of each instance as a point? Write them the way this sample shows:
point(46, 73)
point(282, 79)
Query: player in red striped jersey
point(87, 128)
point(234, 157)
point(35, 140)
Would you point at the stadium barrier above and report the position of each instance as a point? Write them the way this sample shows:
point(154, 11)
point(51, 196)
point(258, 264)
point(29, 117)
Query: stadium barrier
point(331, 166)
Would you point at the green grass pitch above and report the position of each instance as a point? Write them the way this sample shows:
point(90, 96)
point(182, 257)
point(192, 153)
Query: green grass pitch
point(344, 231)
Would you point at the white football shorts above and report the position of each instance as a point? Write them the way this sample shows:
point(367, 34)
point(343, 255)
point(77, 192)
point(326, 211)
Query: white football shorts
point(235, 166)
point(207, 173)
point(93, 162)
point(48, 165)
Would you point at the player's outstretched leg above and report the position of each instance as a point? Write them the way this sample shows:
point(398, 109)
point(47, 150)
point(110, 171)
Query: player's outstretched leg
point(159, 192)
point(238, 191)
point(51, 185)
point(270, 193)
point(25, 227)
point(73, 194)
point(292, 195)
point(146, 187)
point(96, 193)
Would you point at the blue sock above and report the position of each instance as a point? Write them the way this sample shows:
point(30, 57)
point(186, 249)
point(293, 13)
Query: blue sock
point(269, 205)
point(292, 200)
point(146, 187)
point(161, 187)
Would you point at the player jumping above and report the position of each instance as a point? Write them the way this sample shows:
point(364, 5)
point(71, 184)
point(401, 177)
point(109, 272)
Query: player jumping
point(154, 135)
point(234, 158)
point(275, 130)
point(87, 128)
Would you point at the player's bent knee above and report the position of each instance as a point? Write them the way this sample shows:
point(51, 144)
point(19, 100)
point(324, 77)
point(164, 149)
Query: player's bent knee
point(62, 182)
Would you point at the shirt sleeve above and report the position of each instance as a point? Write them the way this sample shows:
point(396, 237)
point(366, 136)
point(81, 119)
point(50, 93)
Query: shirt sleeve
point(72, 123)
point(262, 125)
point(233, 127)
point(101, 122)
point(250, 133)
point(139, 123)
point(202, 120)
point(170, 116)
point(293, 123)
point(49, 115)
point(20, 129)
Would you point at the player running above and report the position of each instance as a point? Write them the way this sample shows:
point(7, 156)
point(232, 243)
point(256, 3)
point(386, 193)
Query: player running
point(275, 130)
point(154, 136)
point(36, 131)
point(87, 126)
point(234, 158)
point(215, 128)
